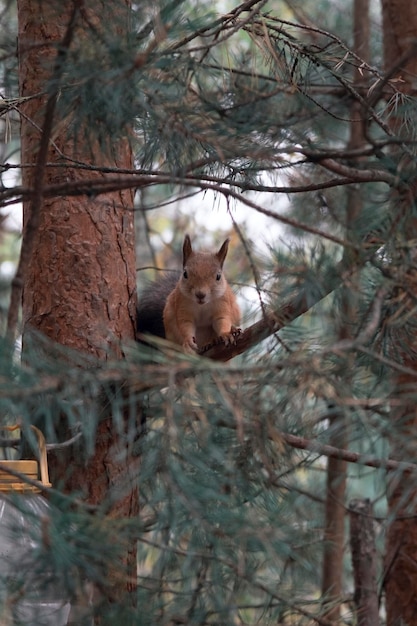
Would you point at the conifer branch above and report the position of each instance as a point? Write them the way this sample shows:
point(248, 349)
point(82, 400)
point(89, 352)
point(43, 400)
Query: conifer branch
point(302, 443)
point(273, 321)
point(139, 179)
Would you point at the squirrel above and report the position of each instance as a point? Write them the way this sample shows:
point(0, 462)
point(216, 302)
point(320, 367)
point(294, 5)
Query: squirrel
point(193, 309)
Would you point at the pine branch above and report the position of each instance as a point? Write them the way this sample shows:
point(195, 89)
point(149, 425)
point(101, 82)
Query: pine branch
point(137, 180)
point(141, 177)
point(274, 321)
point(302, 443)
point(357, 174)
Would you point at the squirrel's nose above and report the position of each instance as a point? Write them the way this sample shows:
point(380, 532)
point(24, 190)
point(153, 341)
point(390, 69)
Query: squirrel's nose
point(201, 296)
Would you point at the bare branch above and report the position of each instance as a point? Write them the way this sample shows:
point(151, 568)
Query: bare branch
point(302, 443)
point(273, 321)
point(137, 179)
point(358, 175)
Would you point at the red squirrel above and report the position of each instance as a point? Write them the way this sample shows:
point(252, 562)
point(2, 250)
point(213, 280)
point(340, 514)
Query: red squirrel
point(197, 309)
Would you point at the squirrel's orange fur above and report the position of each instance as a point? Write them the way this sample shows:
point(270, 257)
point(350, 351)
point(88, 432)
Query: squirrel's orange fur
point(202, 308)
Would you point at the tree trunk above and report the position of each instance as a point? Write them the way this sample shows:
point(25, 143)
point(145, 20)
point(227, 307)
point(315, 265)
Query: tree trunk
point(364, 562)
point(77, 263)
point(334, 530)
point(400, 28)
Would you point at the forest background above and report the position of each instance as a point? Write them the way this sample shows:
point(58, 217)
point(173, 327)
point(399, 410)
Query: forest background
point(274, 481)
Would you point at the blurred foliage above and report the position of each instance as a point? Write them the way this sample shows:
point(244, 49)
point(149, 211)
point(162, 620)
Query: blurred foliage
point(230, 110)
point(230, 524)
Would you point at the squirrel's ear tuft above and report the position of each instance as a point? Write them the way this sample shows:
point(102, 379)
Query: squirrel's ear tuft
point(186, 250)
point(221, 255)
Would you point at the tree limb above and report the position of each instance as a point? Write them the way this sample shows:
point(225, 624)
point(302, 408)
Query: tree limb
point(274, 321)
point(302, 443)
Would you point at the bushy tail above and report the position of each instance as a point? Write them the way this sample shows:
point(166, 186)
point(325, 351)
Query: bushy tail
point(151, 303)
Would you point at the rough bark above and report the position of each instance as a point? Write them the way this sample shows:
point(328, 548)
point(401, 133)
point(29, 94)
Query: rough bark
point(399, 19)
point(364, 562)
point(400, 49)
point(78, 265)
point(80, 283)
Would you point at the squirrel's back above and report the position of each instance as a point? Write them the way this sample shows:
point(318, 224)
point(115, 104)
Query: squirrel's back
point(152, 303)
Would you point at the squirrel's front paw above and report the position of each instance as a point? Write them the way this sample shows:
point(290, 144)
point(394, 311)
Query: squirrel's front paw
point(190, 345)
point(230, 338)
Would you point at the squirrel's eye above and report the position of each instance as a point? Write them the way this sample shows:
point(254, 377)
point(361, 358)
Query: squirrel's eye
point(218, 277)
point(185, 274)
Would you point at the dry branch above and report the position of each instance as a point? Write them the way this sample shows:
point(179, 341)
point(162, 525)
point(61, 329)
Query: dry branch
point(274, 321)
point(351, 457)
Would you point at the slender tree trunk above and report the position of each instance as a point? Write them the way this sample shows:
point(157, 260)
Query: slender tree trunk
point(364, 562)
point(400, 32)
point(334, 532)
point(78, 265)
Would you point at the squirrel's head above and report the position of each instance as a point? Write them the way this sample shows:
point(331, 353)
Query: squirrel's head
point(202, 277)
